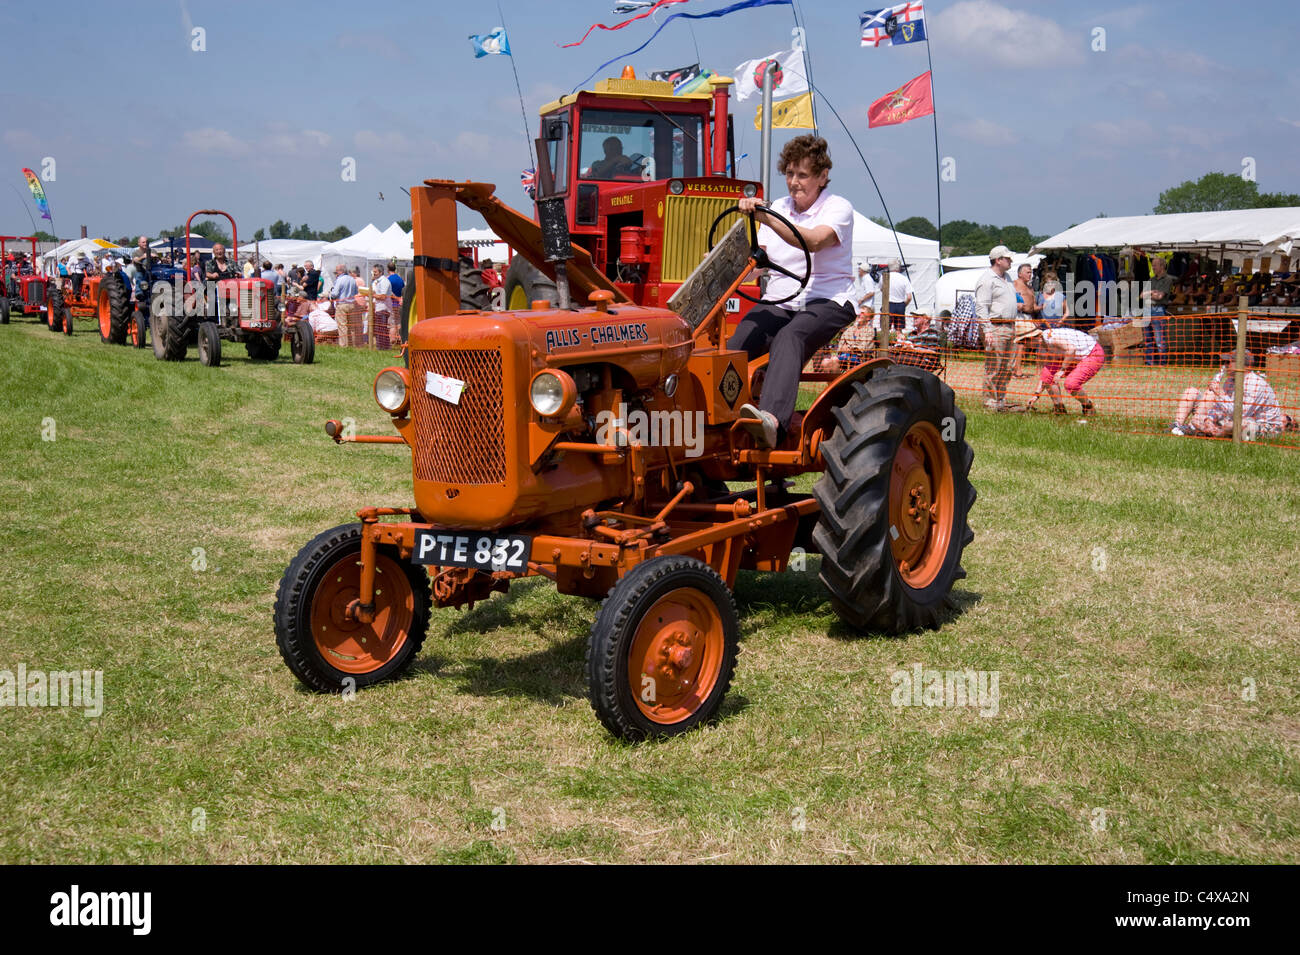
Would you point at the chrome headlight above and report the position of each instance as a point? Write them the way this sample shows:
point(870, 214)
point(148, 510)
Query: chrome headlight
point(676, 186)
point(391, 390)
point(552, 393)
point(749, 190)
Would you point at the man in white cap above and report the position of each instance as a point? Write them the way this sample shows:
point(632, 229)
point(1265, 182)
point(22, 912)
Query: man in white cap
point(995, 309)
point(900, 295)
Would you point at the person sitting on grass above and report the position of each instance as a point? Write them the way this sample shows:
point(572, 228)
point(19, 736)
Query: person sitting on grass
point(1070, 358)
point(1208, 412)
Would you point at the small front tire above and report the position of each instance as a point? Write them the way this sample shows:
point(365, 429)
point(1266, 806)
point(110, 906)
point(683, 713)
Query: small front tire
point(209, 345)
point(663, 649)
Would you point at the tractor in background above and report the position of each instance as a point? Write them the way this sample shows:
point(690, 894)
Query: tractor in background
point(23, 292)
point(107, 299)
point(183, 314)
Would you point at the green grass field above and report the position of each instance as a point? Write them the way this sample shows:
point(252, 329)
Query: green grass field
point(1138, 598)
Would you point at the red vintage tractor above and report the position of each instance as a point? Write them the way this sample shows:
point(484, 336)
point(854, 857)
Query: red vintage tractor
point(105, 298)
point(23, 291)
point(230, 309)
point(534, 453)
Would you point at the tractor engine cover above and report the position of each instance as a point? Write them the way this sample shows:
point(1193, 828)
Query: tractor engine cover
point(252, 302)
point(474, 426)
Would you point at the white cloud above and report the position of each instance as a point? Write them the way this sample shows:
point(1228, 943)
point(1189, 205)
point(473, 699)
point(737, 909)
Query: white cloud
point(1122, 132)
point(212, 141)
point(21, 139)
point(985, 132)
point(1290, 122)
point(984, 31)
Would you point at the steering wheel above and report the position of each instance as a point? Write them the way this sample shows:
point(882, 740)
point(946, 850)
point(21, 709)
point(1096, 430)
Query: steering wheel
point(759, 255)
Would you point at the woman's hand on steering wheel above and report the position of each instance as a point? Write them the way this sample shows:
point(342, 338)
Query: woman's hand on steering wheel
point(749, 206)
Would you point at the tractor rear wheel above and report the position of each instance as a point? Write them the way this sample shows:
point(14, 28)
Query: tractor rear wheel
point(114, 308)
point(209, 344)
point(322, 644)
point(303, 346)
point(663, 649)
point(4, 308)
point(171, 337)
point(894, 501)
point(524, 284)
point(474, 292)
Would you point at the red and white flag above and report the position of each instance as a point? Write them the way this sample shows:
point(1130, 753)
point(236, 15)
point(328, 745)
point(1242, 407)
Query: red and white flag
point(910, 101)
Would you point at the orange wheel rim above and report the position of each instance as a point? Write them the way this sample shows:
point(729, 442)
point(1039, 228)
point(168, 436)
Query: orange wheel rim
point(352, 646)
point(921, 500)
point(105, 314)
point(133, 329)
point(676, 656)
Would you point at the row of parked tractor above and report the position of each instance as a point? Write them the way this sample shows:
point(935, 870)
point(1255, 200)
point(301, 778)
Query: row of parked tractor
point(165, 308)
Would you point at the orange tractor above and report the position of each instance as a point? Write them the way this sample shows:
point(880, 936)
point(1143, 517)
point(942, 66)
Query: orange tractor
point(535, 452)
point(105, 298)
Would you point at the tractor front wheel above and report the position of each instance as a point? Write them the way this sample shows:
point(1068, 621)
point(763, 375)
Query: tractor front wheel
point(209, 344)
point(303, 346)
point(894, 500)
point(135, 327)
point(321, 641)
point(65, 320)
point(54, 309)
point(663, 649)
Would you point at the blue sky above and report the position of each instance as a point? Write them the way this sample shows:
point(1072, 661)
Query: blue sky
point(1045, 132)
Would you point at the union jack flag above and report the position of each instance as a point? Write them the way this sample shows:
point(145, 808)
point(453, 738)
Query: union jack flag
point(893, 26)
point(528, 179)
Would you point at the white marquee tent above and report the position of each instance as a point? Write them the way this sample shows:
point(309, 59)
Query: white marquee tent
point(285, 251)
point(874, 243)
point(1253, 231)
point(92, 247)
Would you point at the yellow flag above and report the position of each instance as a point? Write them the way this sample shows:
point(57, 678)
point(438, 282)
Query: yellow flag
point(792, 113)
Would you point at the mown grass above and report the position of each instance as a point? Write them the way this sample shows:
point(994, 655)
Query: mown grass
point(1123, 587)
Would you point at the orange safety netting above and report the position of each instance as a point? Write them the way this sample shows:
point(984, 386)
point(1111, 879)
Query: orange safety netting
point(1140, 387)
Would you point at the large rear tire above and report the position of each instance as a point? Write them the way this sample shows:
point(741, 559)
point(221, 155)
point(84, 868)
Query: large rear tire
point(524, 284)
point(894, 502)
point(474, 292)
point(114, 308)
point(175, 333)
point(321, 645)
point(4, 308)
point(663, 649)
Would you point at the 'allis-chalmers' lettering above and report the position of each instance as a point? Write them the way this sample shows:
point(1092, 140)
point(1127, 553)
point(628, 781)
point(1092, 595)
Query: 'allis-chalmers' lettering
point(599, 335)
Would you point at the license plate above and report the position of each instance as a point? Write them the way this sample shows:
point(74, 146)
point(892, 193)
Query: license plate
point(476, 550)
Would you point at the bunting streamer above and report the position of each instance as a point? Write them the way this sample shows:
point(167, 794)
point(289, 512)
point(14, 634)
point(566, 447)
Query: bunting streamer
point(742, 5)
point(619, 26)
point(38, 193)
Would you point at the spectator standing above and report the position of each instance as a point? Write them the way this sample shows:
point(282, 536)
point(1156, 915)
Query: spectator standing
point(344, 291)
point(250, 267)
point(863, 294)
point(395, 281)
point(311, 282)
point(63, 267)
point(995, 309)
point(1054, 310)
point(1155, 341)
point(1029, 309)
point(900, 295)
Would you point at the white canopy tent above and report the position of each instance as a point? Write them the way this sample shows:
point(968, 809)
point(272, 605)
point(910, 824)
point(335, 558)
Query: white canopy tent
point(487, 243)
point(355, 250)
point(875, 244)
point(1252, 231)
point(95, 248)
point(285, 251)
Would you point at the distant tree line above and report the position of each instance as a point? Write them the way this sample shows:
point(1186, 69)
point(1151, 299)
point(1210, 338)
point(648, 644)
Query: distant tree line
point(963, 237)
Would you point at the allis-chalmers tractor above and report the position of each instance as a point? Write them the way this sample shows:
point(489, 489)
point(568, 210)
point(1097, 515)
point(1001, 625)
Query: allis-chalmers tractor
point(26, 293)
point(235, 309)
point(531, 457)
point(105, 298)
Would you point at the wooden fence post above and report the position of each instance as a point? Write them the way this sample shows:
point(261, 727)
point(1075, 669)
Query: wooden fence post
point(882, 311)
point(1239, 372)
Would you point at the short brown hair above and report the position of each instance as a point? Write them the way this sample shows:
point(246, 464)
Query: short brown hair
point(807, 146)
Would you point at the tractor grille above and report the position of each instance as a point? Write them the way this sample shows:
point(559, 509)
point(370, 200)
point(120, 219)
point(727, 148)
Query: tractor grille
point(36, 293)
point(464, 443)
point(686, 232)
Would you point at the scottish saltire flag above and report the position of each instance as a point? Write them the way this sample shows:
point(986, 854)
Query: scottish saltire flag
point(528, 179)
point(38, 193)
point(494, 41)
point(893, 26)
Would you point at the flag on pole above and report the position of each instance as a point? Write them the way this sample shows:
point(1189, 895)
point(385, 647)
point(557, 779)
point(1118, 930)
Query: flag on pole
point(893, 26)
point(528, 179)
point(679, 75)
point(788, 80)
point(494, 41)
point(792, 113)
point(910, 101)
point(38, 193)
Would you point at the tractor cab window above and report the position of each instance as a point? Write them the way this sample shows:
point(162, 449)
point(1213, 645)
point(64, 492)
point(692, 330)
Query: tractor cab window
point(632, 147)
point(556, 134)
